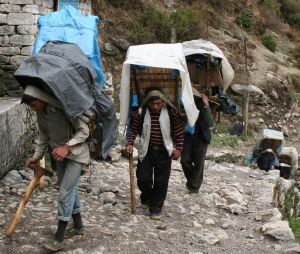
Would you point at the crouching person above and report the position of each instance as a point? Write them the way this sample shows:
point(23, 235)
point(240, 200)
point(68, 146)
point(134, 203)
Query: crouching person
point(67, 141)
point(161, 140)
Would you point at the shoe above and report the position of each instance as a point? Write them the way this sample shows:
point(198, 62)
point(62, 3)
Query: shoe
point(193, 191)
point(145, 205)
point(155, 216)
point(72, 232)
point(54, 246)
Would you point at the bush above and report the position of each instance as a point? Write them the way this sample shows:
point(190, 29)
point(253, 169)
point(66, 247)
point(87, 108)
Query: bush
point(151, 26)
point(188, 22)
point(291, 11)
point(269, 42)
point(295, 20)
point(271, 6)
point(247, 20)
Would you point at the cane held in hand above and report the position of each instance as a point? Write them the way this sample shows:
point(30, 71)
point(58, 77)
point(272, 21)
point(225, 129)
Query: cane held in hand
point(132, 184)
point(37, 179)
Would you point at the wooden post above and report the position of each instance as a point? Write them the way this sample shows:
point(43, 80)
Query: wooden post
point(246, 94)
point(246, 111)
point(132, 185)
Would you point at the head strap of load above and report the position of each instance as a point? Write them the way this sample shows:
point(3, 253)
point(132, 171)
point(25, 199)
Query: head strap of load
point(157, 93)
point(41, 95)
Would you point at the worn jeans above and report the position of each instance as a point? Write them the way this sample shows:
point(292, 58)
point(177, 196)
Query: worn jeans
point(68, 173)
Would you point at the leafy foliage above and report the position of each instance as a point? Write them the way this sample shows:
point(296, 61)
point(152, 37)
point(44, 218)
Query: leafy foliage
point(246, 19)
point(188, 23)
point(271, 6)
point(152, 25)
point(295, 19)
point(291, 11)
point(269, 42)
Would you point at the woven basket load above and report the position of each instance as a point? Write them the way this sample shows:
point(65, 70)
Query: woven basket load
point(168, 81)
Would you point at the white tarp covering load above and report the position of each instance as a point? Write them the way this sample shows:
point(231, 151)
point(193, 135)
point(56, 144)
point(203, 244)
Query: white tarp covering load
point(162, 56)
point(272, 134)
point(206, 47)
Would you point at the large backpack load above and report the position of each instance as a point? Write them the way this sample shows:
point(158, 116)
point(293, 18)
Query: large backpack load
point(270, 142)
point(288, 162)
point(62, 70)
point(210, 72)
point(161, 66)
point(69, 25)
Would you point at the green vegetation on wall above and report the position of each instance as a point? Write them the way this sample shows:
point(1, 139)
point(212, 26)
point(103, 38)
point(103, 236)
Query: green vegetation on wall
point(290, 206)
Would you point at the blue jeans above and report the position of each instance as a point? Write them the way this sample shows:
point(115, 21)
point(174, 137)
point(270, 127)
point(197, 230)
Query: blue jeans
point(68, 173)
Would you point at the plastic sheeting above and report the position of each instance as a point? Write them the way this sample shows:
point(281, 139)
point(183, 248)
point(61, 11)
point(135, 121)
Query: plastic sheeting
point(69, 25)
point(206, 47)
point(63, 70)
point(162, 56)
point(271, 134)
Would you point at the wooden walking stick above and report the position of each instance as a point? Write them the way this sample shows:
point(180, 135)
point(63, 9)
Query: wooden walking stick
point(132, 185)
point(42, 179)
point(35, 181)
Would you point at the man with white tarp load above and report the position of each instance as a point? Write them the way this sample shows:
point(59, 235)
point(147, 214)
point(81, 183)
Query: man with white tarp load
point(156, 89)
point(210, 74)
point(267, 150)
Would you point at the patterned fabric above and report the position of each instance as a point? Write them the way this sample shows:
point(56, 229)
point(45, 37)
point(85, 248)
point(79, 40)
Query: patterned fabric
point(156, 135)
point(167, 80)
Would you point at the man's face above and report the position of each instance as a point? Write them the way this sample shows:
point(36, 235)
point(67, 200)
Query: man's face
point(37, 105)
point(156, 105)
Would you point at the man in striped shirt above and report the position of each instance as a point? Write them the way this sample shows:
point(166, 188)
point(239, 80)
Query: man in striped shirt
point(161, 140)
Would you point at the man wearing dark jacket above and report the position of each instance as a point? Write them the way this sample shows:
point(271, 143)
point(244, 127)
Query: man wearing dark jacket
point(195, 144)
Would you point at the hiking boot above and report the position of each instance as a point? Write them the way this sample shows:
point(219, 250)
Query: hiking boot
point(72, 232)
point(54, 246)
point(155, 216)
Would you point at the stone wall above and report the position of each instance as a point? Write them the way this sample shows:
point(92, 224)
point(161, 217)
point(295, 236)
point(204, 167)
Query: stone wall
point(16, 133)
point(18, 29)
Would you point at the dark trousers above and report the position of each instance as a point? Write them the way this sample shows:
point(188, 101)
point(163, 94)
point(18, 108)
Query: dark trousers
point(192, 160)
point(153, 175)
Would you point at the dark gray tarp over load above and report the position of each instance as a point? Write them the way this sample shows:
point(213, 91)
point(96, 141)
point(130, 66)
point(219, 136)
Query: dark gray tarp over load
point(62, 70)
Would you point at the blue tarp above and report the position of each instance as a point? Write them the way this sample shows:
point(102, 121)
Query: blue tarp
point(69, 25)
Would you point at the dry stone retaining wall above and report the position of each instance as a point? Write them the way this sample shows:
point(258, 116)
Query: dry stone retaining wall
point(18, 29)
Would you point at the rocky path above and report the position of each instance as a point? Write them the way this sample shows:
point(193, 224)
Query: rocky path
point(231, 214)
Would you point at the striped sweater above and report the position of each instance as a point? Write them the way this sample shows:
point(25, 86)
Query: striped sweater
point(155, 134)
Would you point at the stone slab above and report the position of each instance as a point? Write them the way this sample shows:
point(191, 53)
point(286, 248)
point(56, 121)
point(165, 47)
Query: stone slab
point(14, 134)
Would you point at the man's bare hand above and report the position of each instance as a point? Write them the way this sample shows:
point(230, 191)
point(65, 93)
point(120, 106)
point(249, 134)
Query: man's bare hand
point(30, 163)
point(129, 149)
point(205, 100)
point(175, 154)
point(59, 153)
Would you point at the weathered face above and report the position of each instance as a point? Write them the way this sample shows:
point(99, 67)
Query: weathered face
point(156, 105)
point(38, 105)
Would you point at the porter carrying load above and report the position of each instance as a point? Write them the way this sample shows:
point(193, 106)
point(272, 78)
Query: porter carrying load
point(160, 66)
point(62, 70)
point(210, 73)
